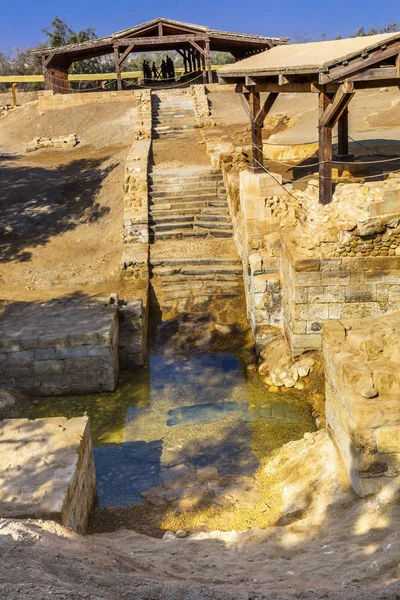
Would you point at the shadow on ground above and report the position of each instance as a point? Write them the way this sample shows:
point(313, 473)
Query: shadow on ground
point(38, 202)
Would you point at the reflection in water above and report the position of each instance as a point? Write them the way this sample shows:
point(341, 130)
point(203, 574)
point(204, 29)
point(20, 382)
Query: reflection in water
point(204, 410)
point(193, 425)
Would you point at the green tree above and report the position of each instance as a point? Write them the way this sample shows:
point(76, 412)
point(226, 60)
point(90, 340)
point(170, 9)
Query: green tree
point(59, 33)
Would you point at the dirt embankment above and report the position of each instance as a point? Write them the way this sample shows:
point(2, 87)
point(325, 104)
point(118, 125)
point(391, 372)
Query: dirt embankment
point(61, 229)
point(333, 546)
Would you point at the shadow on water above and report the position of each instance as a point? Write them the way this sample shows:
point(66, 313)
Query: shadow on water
point(192, 422)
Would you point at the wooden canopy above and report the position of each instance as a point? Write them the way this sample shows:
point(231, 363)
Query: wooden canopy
point(193, 42)
point(334, 70)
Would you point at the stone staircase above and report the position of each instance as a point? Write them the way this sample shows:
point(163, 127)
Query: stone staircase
point(173, 116)
point(188, 203)
point(189, 284)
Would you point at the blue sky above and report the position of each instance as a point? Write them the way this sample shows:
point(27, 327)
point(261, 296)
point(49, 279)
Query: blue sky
point(21, 21)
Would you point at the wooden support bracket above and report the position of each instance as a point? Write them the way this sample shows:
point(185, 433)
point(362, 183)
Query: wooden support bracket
point(263, 112)
point(125, 54)
point(336, 107)
point(198, 48)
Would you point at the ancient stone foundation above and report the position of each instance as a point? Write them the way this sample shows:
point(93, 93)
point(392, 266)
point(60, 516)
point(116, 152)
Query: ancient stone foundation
point(317, 290)
point(133, 321)
point(59, 347)
point(362, 370)
point(59, 143)
point(48, 100)
point(47, 470)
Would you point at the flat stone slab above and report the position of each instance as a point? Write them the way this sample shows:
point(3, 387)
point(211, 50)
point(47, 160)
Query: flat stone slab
point(47, 470)
point(59, 347)
point(362, 374)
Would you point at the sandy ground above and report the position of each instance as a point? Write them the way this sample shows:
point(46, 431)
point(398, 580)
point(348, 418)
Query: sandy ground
point(373, 115)
point(334, 546)
point(61, 227)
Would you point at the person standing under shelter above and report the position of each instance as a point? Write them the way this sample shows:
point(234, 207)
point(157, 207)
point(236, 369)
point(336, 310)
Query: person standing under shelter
point(164, 70)
point(154, 70)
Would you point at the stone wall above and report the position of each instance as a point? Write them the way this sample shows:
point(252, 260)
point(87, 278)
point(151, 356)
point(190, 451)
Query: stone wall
point(48, 100)
point(47, 470)
point(136, 209)
point(59, 347)
point(133, 322)
point(315, 290)
point(60, 143)
point(362, 374)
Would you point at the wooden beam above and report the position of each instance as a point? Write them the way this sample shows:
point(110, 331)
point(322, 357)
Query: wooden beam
point(268, 104)
point(160, 29)
point(360, 63)
point(336, 107)
point(125, 54)
point(208, 61)
point(118, 69)
point(343, 133)
point(289, 88)
point(198, 48)
point(375, 74)
point(256, 132)
point(398, 65)
point(325, 152)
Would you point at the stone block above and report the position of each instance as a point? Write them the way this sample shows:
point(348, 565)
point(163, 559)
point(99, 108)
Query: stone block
point(388, 440)
point(64, 332)
point(52, 475)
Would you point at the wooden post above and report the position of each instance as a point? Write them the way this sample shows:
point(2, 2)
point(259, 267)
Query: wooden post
point(324, 153)
point(118, 68)
point(14, 94)
point(343, 135)
point(256, 132)
point(189, 55)
point(208, 61)
point(203, 66)
point(185, 61)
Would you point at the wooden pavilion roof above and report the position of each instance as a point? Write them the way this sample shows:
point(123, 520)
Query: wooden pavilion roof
point(163, 34)
point(320, 62)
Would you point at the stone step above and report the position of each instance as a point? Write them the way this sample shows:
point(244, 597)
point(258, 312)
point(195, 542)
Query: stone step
point(173, 134)
point(212, 261)
point(194, 270)
point(190, 209)
point(190, 233)
point(170, 235)
point(172, 199)
point(184, 175)
point(214, 183)
point(193, 206)
point(166, 128)
point(180, 196)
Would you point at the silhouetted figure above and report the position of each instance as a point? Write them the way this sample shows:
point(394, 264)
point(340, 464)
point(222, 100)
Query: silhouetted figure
point(154, 70)
point(164, 70)
point(170, 68)
point(146, 70)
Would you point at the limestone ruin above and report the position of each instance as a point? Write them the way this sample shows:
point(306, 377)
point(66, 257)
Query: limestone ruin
point(199, 325)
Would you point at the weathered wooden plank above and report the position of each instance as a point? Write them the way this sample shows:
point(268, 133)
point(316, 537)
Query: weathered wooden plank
point(376, 74)
point(118, 68)
point(263, 112)
point(208, 61)
point(335, 108)
point(198, 48)
point(256, 132)
point(343, 133)
point(324, 151)
point(354, 65)
point(125, 54)
point(289, 88)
